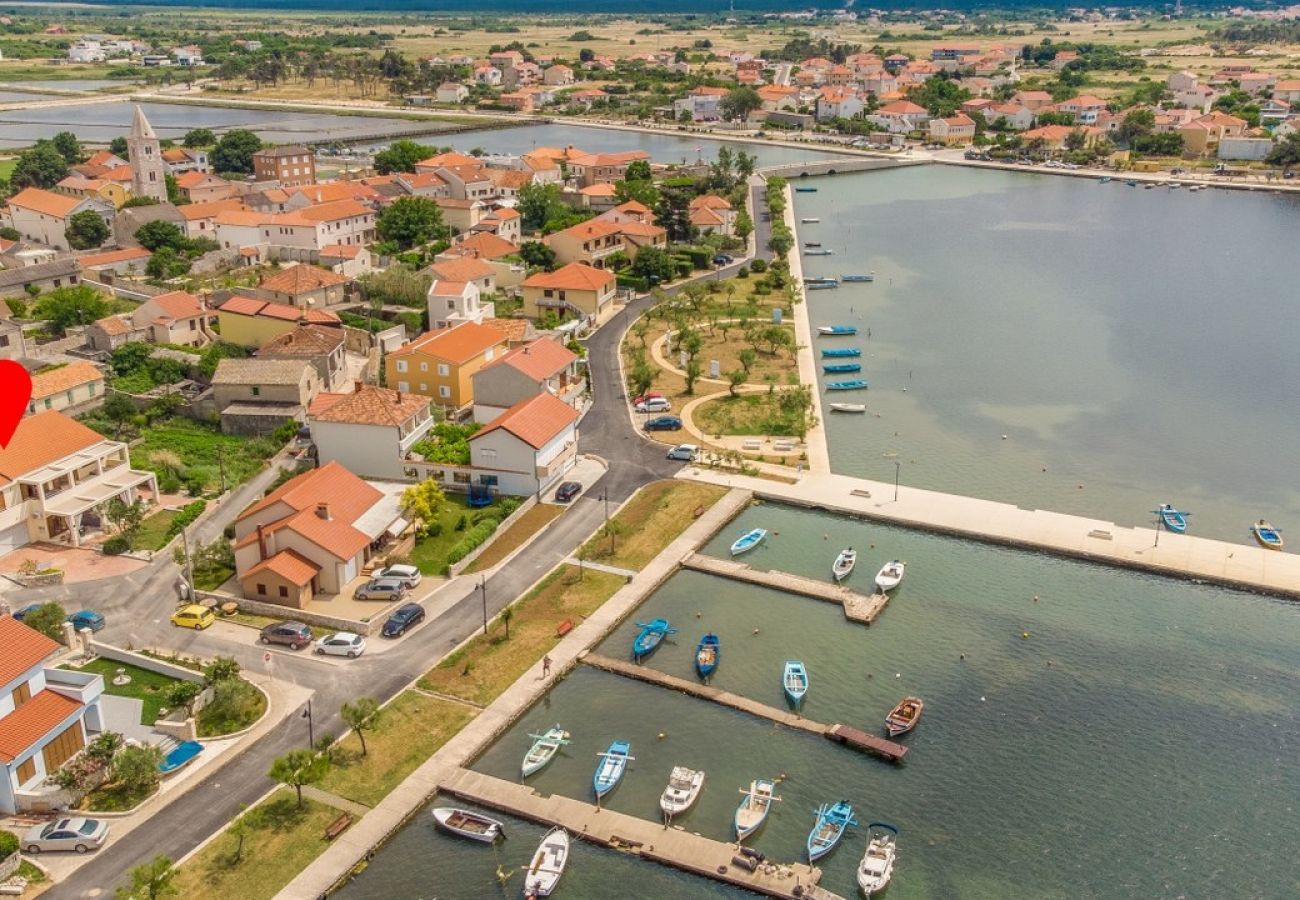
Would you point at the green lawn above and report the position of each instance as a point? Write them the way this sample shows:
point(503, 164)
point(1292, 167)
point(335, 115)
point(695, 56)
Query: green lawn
point(7, 167)
point(748, 414)
point(153, 530)
point(236, 706)
point(146, 686)
point(650, 521)
point(431, 553)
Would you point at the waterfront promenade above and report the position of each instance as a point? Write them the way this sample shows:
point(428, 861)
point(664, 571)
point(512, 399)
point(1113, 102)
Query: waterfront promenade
point(1178, 555)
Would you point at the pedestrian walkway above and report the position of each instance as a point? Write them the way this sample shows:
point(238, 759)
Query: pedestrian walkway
point(601, 567)
point(334, 800)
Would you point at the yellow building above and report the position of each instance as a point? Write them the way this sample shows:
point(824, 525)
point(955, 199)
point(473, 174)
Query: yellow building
point(576, 288)
point(250, 322)
point(440, 365)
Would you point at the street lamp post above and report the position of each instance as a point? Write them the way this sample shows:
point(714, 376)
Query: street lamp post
point(897, 467)
point(604, 495)
point(311, 725)
point(482, 586)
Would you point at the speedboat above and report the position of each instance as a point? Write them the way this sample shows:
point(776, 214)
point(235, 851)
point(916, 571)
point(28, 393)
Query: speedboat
point(1267, 535)
point(748, 541)
point(890, 575)
point(821, 279)
point(832, 820)
point(904, 716)
point(795, 681)
point(610, 769)
point(548, 864)
point(684, 785)
point(878, 862)
point(821, 285)
point(468, 824)
point(543, 749)
point(752, 811)
point(844, 563)
point(707, 655)
point(1172, 519)
point(848, 407)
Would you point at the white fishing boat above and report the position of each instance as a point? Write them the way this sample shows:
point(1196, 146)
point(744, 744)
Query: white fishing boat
point(548, 864)
point(753, 810)
point(543, 749)
point(878, 862)
point(468, 824)
point(844, 563)
point(809, 221)
point(684, 787)
point(848, 407)
point(890, 575)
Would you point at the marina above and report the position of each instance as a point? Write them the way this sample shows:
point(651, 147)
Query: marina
point(857, 607)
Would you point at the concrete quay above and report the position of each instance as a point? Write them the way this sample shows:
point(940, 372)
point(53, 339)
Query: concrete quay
point(857, 607)
point(668, 845)
point(1238, 566)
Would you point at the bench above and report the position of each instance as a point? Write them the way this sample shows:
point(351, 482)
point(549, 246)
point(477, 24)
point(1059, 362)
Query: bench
point(565, 627)
point(338, 826)
point(784, 446)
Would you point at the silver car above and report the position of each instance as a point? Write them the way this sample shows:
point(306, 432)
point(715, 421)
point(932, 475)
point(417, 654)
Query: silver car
point(381, 589)
point(81, 835)
point(344, 643)
point(408, 575)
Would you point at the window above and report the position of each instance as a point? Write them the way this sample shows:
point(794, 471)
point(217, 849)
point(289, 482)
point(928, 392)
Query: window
point(424, 367)
point(63, 747)
point(68, 395)
point(257, 391)
point(48, 403)
point(26, 771)
point(444, 370)
point(488, 480)
point(284, 591)
point(460, 477)
point(261, 590)
point(424, 388)
point(401, 365)
point(444, 391)
point(403, 387)
point(22, 694)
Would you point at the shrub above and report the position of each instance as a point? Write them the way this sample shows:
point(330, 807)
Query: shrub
point(758, 265)
point(169, 484)
point(634, 282)
point(462, 522)
point(743, 272)
point(116, 545)
point(473, 537)
point(189, 512)
point(8, 844)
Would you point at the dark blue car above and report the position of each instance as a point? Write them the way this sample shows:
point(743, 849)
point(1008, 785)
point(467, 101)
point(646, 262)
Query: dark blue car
point(664, 423)
point(22, 613)
point(408, 615)
point(87, 618)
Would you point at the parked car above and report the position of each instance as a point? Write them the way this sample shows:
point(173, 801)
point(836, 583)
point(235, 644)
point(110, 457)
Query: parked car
point(406, 616)
point(408, 575)
point(683, 452)
point(567, 491)
point(664, 423)
point(381, 589)
point(654, 405)
point(22, 613)
point(87, 618)
point(81, 835)
point(294, 634)
point(344, 643)
point(722, 259)
point(193, 616)
point(648, 395)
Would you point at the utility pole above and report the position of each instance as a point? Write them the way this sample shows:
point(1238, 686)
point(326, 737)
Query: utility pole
point(221, 464)
point(189, 566)
point(604, 495)
point(482, 586)
point(311, 725)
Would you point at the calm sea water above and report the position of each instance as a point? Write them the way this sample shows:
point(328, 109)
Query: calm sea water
point(1139, 743)
point(1130, 341)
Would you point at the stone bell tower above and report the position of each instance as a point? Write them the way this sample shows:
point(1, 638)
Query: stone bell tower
point(148, 171)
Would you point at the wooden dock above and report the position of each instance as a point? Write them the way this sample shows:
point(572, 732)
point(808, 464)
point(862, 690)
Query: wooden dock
point(842, 734)
point(857, 607)
point(671, 846)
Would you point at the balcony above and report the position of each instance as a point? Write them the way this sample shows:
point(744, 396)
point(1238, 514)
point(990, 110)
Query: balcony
point(84, 687)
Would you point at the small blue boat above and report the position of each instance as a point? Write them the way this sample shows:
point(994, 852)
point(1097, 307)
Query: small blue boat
point(1105, 179)
point(853, 384)
point(831, 824)
point(837, 368)
point(650, 637)
point(708, 654)
point(1172, 519)
point(821, 285)
point(800, 190)
point(841, 352)
point(822, 279)
point(179, 756)
point(795, 681)
point(836, 330)
point(1267, 535)
point(815, 251)
point(866, 276)
point(1131, 183)
point(610, 769)
point(748, 541)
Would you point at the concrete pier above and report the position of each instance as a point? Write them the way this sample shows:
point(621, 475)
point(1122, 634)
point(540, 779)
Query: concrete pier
point(671, 846)
point(857, 607)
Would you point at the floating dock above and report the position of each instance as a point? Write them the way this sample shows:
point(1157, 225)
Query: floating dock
point(841, 734)
point(650, 840)
point(857, 607)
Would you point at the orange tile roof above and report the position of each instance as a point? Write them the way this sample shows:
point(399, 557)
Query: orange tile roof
point(369, 405)
point(56, 381)
point(300, 279)
point(539, 359)
point(178, 305)
point(574, 277)
point(485, 246)
point(240, 216)
point(604, 189)
point(347, 495)
point(24, 648)
point(340, 251)
point(457, 345)
point(305, 340)
point(243, 306)
point(91, 260)
point(510, 178)
point(332, 212)
point(444, 288)
point(592, 228)
point(40, 440)
point(47, 202)
point(702, 215)
point(443, 160)
point(104, 158)
point(515, 330)
point(535, 421)
point(291, 566)
point(711, 201)
point(113, 325)
point(336, 190)
point(192, 212)
point(467, 268)
point(32, 721)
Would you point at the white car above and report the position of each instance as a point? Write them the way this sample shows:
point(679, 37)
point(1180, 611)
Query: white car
point(344, 643)
point(81, 835)
point(408, 575)
point(683, 452)
point(654, 405)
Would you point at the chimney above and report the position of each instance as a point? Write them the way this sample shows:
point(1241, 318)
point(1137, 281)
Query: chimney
point(358, 386)
point(323, 511)
point(261, 541)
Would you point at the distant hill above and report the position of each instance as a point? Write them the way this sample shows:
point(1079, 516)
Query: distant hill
point(705, 7)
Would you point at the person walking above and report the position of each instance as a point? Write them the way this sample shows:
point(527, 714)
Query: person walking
point(546, 665)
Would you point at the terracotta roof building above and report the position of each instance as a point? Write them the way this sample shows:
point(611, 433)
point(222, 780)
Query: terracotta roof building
point(78, 384)
point(541, 366)
point(440, 365)
point(370, 431)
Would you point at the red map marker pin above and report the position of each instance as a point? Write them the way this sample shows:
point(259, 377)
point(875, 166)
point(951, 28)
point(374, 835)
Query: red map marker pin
point(15, 392)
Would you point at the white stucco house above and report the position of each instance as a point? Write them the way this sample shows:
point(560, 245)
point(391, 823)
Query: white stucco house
point(369, 431)
point(529, 446)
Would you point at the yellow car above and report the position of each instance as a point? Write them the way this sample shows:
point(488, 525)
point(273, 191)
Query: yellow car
point(193, 616)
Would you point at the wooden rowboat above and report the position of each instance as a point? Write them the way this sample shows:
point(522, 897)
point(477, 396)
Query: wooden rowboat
point(795, 681)
point(848, 407)
point(844, 563)
point(468, 824)
point(1267, 535)
point(904, 716)
point(548, 864)
point(543, 749)
point(650, 636)
point(832, 820)
point(752, 811)
point(890, 575)
point(748, 541)
point(707, 655)
point(610, 769)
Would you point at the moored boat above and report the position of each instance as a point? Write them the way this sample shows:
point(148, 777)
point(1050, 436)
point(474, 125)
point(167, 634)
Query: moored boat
point(708, 654)
point(904, 716)
point(812, 243)
point(609, 770)
point(543, 750)
point(809, 220)
point(844, 563)
point(794, 679)
point(890, 575)
point(805, 190)
point(752, 811)
point(832, 820)
point(841, 368)
point(877, 863)
point(848, 407)
point(841, 352)
point(837, 330)
point(852, 384)
point(548, 864)
point(468, 824)
point(650, 637)
point(1267, 535)
point(821, 279)
point(748, 541)
point(821, 285)
point(863, 276)
point(824, 251)
point(1105, 179)
point(1172, 519)
point(684, 786)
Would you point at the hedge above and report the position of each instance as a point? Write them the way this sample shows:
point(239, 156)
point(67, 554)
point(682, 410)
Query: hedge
point(116, 545)
point(700, 257)
point(189, 512)
point(486, 523)
point(8, 844)
point(635, 282)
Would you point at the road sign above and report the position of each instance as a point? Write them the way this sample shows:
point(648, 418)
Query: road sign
point(266, 657)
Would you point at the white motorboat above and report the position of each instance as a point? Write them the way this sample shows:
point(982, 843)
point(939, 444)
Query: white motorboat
point(753, 810)
point(548, 864)
point(684, 787)
point(890, 575)
point(468, 824)
point(848, 407)
point(844, 563)
point(808, 220)
point(878, 862)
